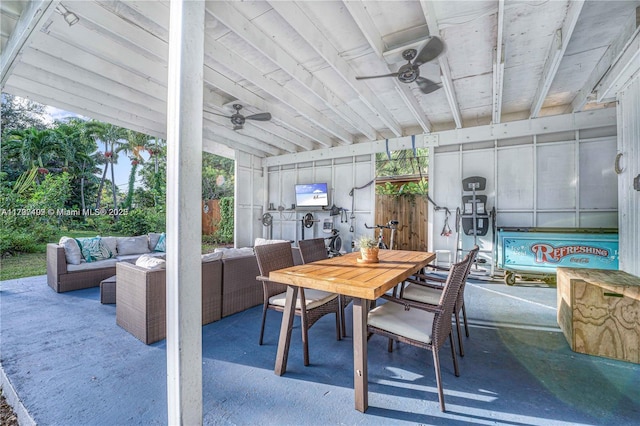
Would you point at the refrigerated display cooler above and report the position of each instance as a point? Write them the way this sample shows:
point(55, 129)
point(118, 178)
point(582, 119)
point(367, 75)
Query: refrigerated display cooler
point(536, 252)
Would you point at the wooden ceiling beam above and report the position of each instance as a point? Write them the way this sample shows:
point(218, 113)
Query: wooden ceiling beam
point(498, 66)
point(249, 130)
point(368, 29)
point(306, 29)
point(559, 44)
point(445, 72)
point(32, 18)
point(279, 114)
point(242, 27)
point(231, 60)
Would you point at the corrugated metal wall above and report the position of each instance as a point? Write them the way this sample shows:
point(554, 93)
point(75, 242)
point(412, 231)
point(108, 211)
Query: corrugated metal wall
point(628, 198)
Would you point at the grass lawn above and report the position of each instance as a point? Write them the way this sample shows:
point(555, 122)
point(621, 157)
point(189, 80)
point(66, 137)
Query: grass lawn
point(30, 264)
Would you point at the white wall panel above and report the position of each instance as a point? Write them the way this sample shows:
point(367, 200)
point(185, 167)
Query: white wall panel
point(556, 176)
point(515, 186)
point(556, 220)
point(535, 183)
point(341, 175)
point(628, 198)
point(598, 181)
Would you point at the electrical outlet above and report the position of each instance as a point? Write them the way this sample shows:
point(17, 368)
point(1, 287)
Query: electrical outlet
point(636, 183)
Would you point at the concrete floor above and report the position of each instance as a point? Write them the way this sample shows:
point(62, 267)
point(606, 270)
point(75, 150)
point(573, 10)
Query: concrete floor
point(70, 364)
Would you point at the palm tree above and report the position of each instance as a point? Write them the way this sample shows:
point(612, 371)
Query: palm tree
point(111, 136)
point(136, 143)
point(37, 148)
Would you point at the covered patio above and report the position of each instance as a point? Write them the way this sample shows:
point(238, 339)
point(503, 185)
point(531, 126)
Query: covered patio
point(71, 364)
point(540, 98)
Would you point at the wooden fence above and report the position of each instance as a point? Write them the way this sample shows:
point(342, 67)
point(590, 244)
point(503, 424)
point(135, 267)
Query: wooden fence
point(411, 213)
point(210, 216)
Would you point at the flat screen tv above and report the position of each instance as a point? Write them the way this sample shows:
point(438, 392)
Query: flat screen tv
point(312, 195)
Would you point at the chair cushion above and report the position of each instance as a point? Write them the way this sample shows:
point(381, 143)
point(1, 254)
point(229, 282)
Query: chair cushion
point(414, 324)
point(422, 294)
point(72, 252)
point(313, 298)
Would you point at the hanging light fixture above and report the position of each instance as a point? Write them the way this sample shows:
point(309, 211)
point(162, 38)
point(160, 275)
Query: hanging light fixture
point(69, 17)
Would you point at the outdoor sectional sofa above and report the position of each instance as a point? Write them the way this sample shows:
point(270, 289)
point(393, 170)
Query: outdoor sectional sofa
point(65, 276)
point(229, 286)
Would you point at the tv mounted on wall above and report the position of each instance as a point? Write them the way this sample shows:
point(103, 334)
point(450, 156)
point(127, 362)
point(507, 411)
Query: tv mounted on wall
point(312, 195)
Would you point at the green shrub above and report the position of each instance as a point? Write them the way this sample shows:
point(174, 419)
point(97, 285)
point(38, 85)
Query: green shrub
point(142, 221)
point(225, 227)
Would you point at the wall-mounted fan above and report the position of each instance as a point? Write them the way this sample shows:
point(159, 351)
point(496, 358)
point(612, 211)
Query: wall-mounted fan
point(410, 72)
point(238, 119)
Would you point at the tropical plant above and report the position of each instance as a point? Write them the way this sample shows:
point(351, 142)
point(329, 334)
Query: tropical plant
point(367, 242)
point(36, 149)
point(19, 114)
point(225, 227)
point(111, 136)
point(135, 144)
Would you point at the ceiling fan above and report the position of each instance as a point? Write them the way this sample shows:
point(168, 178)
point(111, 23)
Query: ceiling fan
point(238, 119)
point(410, 72)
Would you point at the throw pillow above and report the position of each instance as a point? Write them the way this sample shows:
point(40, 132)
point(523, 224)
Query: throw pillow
point(112, 243)
point(94, 249)
point(150, 262)
point(133, 245)
point(72, 251)
point(162, 243)
point(153, 240)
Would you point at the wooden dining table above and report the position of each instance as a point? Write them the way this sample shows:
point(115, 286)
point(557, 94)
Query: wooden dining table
point(346, 275)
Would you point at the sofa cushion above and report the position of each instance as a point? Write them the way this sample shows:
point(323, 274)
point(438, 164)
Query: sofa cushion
point(210, 257)
point(94, 249)
point(234, 252)
point(133, 245)
point(112, 243)
point(71, 250)
point(85, 266)
point(262, 241)
point(161, 246)
point(150, 262)
point(131, 258)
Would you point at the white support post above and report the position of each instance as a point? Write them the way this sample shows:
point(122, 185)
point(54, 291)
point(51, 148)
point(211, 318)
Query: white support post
point(184, 229)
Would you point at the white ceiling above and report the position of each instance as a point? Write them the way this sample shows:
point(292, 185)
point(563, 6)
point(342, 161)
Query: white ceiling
point(298, 61)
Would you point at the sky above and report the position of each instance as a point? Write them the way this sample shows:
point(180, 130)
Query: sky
point(122, 169)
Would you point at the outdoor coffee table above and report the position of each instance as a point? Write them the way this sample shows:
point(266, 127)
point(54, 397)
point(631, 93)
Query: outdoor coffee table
point(362, 281)
point(108, 290)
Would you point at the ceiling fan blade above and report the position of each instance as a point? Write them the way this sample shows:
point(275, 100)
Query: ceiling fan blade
point(427, 86)
point(430, 51)
point(393, 74)
point(237, 127)
point(263, 116)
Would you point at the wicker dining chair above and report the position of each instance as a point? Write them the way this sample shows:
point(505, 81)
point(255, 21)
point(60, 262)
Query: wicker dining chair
point(428, 289)
point(313, 250)
point(422, 325)
point(311, 304)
